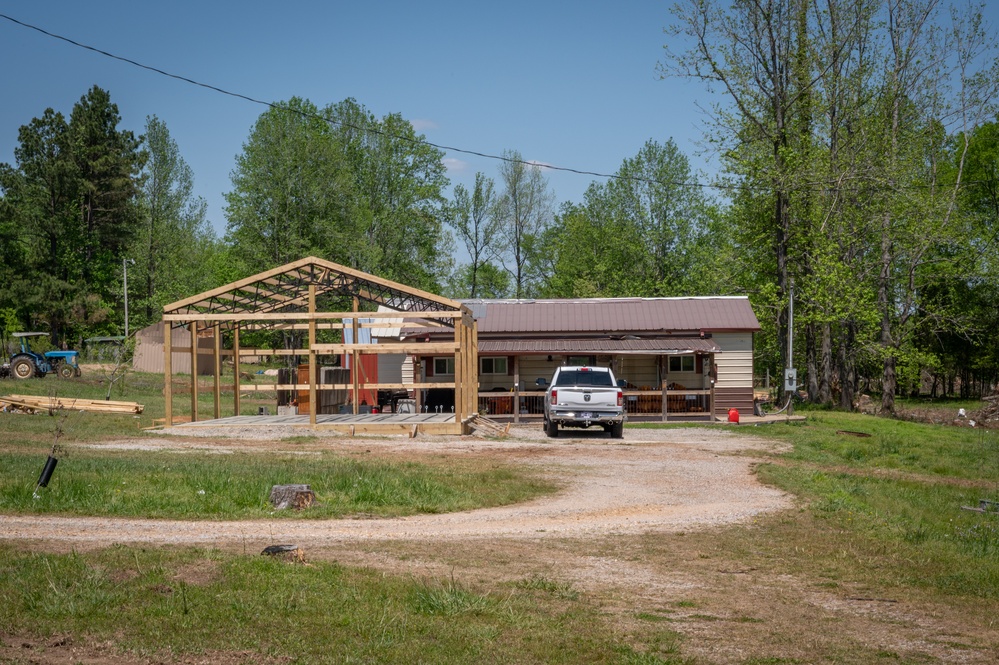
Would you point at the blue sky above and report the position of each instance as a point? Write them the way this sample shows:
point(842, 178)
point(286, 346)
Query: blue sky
point(567, 83)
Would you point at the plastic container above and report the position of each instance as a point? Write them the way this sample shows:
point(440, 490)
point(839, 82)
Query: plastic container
point(733, 416)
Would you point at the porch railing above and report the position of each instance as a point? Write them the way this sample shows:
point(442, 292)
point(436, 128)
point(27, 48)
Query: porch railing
point(643, 404)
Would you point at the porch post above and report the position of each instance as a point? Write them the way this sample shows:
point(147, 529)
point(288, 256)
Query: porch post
point(516, 389)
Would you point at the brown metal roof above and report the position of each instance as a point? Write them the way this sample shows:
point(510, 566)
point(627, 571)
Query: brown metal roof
point(618, 346)
point(614, 315)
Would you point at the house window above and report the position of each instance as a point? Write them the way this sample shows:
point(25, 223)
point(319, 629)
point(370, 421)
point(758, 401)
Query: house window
point(581, 361)
point(681, 363)
point(443, 366)
point(492, 365)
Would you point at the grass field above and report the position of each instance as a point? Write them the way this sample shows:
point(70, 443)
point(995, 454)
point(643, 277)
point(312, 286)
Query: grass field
point(877, 551)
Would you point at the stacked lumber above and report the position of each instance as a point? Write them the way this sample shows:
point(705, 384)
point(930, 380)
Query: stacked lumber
point(35, 404)
point(487, 427)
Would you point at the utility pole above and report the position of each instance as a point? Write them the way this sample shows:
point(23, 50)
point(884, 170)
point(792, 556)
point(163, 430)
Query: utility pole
point(124, 270)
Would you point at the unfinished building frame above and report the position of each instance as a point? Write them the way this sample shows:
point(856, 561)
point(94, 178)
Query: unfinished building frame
point(311, 295)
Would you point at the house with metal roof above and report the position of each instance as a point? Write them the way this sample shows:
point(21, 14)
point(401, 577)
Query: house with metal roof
point(679, 357)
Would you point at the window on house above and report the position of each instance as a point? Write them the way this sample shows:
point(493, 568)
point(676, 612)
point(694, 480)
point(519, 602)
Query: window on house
point(681, 363)
point(443, 366)
point(493, 365)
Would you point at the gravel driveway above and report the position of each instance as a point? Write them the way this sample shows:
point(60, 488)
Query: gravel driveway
point(652, 481)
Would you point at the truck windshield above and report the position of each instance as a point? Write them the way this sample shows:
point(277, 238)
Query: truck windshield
point(587, 378)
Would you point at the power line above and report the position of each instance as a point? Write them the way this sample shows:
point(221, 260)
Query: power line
point(305, 114)
point(463, 151)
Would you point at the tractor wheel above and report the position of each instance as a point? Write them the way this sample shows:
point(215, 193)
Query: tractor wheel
point(23, 368)
point(66, 371)
point(77, 372)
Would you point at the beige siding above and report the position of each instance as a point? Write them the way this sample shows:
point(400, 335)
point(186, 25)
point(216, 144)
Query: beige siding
point(149, 356)
point(735, 362)
point(390, 367)
point(638, 371)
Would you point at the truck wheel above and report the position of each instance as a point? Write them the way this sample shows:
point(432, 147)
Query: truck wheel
point(66, 371)
point(23, 368)
point(551, 429)
point(617, 431)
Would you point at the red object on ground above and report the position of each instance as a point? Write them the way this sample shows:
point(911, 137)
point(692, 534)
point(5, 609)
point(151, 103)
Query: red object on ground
point(733, 416)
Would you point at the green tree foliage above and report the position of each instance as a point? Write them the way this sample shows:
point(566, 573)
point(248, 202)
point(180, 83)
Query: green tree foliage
point(643, 233)
point(524, 213)
point(473, 216)
point(836, 121)
point(70, 207)
point(340, 184)
point(173, 242)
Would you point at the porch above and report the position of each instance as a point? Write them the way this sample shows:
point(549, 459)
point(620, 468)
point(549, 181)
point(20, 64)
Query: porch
point(641, 405)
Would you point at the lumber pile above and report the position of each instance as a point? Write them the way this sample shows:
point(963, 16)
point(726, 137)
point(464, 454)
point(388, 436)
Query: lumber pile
point(486, 427)
point(37, 404)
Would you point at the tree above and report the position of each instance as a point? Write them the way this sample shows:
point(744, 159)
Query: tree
point(108, 162)
point(836, 121)
point(524, 212)
point(71, 205)
point(174, 236)
point(473, 218)
point(340, 184)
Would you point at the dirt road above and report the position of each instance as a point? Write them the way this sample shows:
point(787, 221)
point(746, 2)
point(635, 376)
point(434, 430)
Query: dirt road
point(655, 480)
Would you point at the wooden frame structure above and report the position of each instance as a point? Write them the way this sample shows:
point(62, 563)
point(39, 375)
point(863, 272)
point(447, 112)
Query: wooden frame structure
point(310, 295)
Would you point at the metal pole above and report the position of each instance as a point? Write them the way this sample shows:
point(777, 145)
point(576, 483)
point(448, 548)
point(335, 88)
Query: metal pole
point(124, 268)
point(790, 328)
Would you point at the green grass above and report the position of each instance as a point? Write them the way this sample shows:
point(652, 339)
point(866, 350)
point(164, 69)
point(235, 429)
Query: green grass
point(201, 486)
point(897, 496)
point(197, 602)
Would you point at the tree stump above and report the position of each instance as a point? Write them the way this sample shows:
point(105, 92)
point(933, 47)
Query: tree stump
point(298, 497)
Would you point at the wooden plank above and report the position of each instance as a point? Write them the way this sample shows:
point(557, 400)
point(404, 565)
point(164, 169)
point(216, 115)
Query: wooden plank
point(265, 387)
point(194, 371)
point(217, 370)
point(305, 316)
point(168, 375)
point(313, 380)
point(425, 349)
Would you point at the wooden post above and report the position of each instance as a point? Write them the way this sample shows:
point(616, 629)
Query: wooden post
point(217, 368)
point(235, 370)
point(194, 371)
point(313, 406)
point(459, 368)
point(516, 389)
point(167, 374)
point(355, 358)
point(473, 379)
point(711, 397)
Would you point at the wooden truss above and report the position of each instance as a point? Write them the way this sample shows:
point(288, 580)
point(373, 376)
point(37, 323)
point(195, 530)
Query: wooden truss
point(311, 295)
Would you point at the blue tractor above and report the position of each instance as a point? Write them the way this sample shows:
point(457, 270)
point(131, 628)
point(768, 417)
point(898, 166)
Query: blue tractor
point(25, 363)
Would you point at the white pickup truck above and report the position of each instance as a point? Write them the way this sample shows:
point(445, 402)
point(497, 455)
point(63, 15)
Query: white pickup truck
point(584, 396)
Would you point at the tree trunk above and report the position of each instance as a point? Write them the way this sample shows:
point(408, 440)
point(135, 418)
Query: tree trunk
point(811, 364)
point(825, 367)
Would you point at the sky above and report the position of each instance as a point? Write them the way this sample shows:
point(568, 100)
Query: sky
point(568, 83)
point(571, 83)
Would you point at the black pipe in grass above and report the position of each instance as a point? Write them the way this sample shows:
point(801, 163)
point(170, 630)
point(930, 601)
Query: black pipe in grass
point(50, 465)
